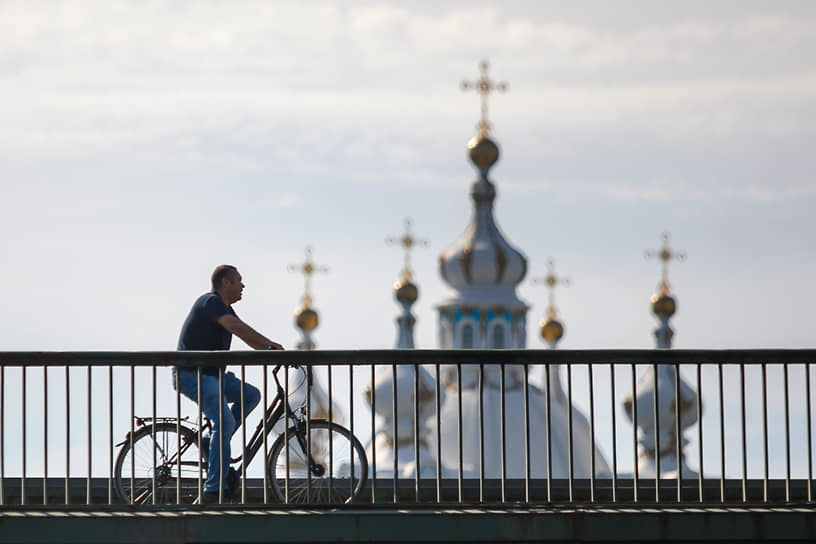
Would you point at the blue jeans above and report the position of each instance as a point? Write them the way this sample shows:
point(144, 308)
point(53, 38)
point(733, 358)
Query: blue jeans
point(184, 381)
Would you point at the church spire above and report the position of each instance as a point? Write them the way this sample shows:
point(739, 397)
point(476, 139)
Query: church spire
point(663, 303)
point(551, 329)
point(306, 317)
point(405, 290)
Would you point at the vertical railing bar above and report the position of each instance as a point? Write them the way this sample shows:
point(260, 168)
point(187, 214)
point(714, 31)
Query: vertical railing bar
point(200, 453)
point(614, 439)
point(591, 434)
point(548, 438)
point(68, 433)
point(395, 437)
point(3, 435)
point(154, 434)
point(744, 435)
point(634, 434)
point(700, 430)
point(308, 408)
point(459, 413)
point(90, 449)
point(286, 429)
point(130, 436)
point(787, 433)
point(809, 437)
point(655, 405)
point(243, 436)
point(220, 438)
point(110, 434)
point(373, 432)
point(351, 430)
point(526, 432)
point(765, 431)
point(286, 434)
point(677, 437)
point(722, 431)
point(503, 438)
point(178, 435)
point(23, 477)
point(310, 371)
point(45, 435)
point(481, 433)
point(415, 367)
point(569, 441)
point(331, 435)
point(265, 440)
point(438, 436)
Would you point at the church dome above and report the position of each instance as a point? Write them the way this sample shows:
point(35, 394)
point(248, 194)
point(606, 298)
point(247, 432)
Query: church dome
point(663, 305)
point(482, 257)
point(551, 330)
point(306, 319)
point(483, 152)
point(405, 291)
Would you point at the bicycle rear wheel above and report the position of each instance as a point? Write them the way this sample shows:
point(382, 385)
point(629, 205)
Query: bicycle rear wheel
point(175, 469)
point(340, 472)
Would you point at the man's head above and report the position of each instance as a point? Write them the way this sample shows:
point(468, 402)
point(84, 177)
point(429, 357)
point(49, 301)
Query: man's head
point(226, 281)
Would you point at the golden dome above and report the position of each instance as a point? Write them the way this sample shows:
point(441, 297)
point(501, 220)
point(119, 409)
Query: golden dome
point(306, 319)
point(483, 151)
point(551, 330)
point(663, 304)
point(405, 291)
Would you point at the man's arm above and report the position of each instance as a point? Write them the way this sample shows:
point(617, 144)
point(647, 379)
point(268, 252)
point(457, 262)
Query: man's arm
point(253, 338)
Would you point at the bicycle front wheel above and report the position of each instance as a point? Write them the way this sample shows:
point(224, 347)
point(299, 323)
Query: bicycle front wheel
point(338, 470)
point(177, 467)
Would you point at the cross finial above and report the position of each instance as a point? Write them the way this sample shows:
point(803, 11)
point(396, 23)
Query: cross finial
point(407, 241)
point(308, 268)
point(551, 281)
point(665, 254)
point(484, 86)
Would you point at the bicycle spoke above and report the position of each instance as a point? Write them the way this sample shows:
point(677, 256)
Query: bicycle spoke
point(170, 466)
point(329, 482)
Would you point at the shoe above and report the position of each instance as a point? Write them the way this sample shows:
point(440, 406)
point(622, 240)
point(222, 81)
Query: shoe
point(211, 497)
point(208, 497)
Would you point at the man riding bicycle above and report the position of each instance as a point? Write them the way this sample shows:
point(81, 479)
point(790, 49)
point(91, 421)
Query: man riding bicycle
point(210, 326)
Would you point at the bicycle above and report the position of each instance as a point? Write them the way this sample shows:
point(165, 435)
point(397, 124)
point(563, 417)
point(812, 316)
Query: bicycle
point(336, 461)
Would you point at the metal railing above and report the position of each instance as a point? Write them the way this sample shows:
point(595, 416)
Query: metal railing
point(64, 416)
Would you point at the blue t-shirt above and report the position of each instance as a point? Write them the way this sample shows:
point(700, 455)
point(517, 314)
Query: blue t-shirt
point(201, 330)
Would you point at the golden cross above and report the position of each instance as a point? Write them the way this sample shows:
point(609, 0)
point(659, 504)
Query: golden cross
point(407, 241)
point(551, 281)
point(308, 268)
point(484, 86)
point(665, 254)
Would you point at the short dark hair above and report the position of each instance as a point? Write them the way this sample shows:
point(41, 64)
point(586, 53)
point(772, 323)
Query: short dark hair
point(221, 272)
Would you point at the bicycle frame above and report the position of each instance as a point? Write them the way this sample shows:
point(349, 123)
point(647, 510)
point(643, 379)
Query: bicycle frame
point(273, 413)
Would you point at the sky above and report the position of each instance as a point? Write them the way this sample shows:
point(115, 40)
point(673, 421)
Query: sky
point(144, 143)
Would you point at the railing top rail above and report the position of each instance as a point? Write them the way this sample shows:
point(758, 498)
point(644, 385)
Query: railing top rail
point(389, 356)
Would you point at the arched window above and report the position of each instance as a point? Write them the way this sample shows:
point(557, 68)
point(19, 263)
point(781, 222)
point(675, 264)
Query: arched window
point(498, 336)
point(467, 336)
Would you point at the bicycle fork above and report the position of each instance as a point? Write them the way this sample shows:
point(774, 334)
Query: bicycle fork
point(315, 468)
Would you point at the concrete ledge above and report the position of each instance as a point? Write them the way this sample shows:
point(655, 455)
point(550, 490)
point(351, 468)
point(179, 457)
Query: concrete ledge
point(602, 524)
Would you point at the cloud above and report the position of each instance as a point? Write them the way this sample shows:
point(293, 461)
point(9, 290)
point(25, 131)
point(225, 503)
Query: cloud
point(368, 91)
point(664, 190)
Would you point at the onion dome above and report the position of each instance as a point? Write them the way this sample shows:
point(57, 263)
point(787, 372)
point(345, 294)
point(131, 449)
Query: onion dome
point(483, 151)
point(551, 330)
point(306, 319)
point(405, 291)
point(481, 259)
point(663, 305)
